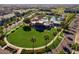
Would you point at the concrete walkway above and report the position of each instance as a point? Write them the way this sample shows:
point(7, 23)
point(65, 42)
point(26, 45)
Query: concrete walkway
point(4, 47)
point(9, 44)
point(19, 51)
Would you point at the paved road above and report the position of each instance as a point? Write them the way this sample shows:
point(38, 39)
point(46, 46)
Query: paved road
point(4, 51)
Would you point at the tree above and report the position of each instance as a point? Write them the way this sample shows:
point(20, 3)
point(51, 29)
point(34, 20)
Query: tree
point(5, 26)
point(1, 33)
point(17, 19)
point(75, 46)
point(33, 40)
point(27, 21)
point(46, 37)
point(49, 17)
point(68, 20)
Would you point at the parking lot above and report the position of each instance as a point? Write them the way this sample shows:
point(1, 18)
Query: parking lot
point(69, 37)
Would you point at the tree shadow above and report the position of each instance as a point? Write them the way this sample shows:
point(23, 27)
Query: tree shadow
point(48, 27)
point(27, 28)
point(66, 50)
point(71, 39)
point(68, 32)
point(39, 28)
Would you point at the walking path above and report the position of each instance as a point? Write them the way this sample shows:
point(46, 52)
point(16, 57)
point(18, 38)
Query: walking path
point(19, 51)
point(4, 47)
point(9, 44)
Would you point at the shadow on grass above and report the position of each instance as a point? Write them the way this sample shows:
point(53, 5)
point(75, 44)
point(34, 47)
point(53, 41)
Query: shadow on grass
point(39, 30)
point(27, 28)
point(40, 27)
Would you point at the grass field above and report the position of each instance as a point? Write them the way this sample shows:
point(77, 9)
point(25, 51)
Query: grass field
point(22, 38)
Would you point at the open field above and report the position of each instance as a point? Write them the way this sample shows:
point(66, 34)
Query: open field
point(23, 38)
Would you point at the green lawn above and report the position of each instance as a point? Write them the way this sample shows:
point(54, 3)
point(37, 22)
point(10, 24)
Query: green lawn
point(22, 38)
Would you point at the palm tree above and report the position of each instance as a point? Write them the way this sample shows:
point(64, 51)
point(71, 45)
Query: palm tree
point(1, 32)
point(49, 17)
point(5, 26)
point(75, 46)
point(17, 19)
point(33, 40)
point(68, 19)
point(9, 23)
point(46, 37)
point(27, 21)
point(64, 24)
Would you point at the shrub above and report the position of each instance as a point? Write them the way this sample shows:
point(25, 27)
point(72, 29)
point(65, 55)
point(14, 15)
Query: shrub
point(2, 43)
point(26, 51)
